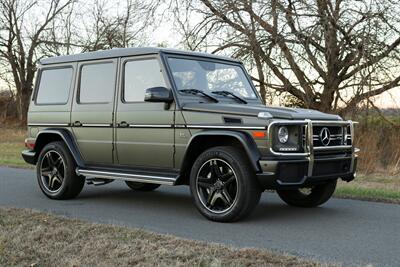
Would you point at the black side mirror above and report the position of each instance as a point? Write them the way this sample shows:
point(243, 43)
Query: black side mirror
point(158, 94)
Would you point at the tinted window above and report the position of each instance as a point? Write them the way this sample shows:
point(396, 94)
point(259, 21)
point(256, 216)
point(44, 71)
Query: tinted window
point(97, 83)
point(140, 75)
point(54, 86)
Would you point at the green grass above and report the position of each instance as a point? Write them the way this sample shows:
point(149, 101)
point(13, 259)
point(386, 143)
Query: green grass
point(373, 194)
point(11, 155)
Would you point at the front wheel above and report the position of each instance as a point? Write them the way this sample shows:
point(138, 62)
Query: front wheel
point(309, 197)
point(223, 184)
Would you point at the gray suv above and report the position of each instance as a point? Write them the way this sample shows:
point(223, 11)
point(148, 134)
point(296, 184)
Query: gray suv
point(151, 117)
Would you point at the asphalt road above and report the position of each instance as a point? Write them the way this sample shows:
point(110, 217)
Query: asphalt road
point(342, 231)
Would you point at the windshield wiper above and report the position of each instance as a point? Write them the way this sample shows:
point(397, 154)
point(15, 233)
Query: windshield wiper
point(199, 92)
point(227, 93)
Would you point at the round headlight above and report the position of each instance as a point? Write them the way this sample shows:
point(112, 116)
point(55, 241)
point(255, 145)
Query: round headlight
point(283, 134)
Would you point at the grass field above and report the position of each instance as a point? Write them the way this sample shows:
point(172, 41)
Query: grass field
point(377, 186)
point(11, 145)
point(29, 238)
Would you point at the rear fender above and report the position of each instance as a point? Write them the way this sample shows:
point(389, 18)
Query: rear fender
point(48, 135)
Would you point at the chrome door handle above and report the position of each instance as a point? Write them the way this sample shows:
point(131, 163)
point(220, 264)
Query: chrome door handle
point(123, 124)
point(77, 124)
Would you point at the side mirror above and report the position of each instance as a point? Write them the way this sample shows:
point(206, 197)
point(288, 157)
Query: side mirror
point(158, 94)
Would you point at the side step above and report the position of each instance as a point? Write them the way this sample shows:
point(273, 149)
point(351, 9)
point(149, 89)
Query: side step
point(128, 176)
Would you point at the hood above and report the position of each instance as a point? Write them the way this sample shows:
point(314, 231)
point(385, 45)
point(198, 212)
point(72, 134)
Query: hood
point(254, 110)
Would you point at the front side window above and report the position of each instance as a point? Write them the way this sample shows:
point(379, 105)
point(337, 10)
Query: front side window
point(139, 76)
point(209, 76)
point(54, 86)
point(97, 83)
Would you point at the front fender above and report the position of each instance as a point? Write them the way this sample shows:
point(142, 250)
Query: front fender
point(245, 140)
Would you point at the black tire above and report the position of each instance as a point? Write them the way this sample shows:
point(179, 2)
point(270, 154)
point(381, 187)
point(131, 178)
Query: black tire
point(317, 196)
point(61, 182)
point(142, 186)
point(233, 182)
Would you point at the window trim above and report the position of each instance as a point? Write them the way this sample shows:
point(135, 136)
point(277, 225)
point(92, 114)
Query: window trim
point(38, 81)
point(78, 89)
point(123, 77)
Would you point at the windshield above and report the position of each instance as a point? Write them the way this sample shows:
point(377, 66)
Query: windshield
point(209, 77)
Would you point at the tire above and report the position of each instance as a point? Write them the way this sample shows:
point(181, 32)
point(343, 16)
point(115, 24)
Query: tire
point(142, 186)
point(55, 171)
point(223, 185)
point(317, 196)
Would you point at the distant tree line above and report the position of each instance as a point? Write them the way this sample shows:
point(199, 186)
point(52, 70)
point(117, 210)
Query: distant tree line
point(330, 55)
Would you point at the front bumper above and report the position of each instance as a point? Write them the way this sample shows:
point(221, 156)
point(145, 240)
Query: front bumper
point(293, 173)
point(312, 166)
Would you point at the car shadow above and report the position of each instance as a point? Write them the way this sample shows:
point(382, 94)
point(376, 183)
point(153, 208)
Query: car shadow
point(178, 199)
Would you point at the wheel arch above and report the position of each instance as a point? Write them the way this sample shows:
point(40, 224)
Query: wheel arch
point(50, 135)
point(202, 141)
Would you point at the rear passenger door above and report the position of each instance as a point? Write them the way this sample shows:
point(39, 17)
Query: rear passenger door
point(92, 110)
point(144, 133)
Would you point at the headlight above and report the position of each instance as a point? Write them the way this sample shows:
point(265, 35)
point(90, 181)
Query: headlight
point(283, 134)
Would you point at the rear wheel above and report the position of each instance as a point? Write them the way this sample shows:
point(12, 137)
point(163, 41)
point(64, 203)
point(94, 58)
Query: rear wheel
point(55, 171)
point(223, 184)
point(142, 186)
point(309, 197)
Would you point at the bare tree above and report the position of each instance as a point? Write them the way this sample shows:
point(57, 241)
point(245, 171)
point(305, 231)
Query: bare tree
point(19, 42)
point(322, 52)
point(128, 27)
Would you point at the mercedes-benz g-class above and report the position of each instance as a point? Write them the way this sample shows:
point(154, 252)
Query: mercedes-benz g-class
point(152, 116)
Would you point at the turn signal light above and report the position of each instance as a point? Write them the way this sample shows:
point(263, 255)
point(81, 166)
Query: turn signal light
point(258, 134)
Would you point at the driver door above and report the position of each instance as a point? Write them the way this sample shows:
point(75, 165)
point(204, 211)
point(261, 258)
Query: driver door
point(145, 133)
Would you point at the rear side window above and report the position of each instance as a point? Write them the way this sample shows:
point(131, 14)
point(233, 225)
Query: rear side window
point(139, 76)
point(54, 86)
point(97, 83)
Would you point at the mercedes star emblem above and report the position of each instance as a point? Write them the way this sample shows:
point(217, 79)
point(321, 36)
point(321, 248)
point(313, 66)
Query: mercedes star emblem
point(325, 136)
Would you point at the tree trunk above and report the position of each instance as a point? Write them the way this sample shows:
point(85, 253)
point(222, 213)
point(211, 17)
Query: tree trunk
point(23, 99)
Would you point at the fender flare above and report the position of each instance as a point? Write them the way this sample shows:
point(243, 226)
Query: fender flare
point(245, 140)
point(68, 139)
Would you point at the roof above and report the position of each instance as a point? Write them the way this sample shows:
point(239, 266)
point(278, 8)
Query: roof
point(123, 52)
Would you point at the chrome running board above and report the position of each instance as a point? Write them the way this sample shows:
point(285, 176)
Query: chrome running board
point(127, 176)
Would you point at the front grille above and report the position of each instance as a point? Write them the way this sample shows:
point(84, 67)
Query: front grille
point(337, 136)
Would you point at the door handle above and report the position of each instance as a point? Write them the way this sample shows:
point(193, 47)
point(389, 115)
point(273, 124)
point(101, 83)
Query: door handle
point(77, 124)
point(123, 124)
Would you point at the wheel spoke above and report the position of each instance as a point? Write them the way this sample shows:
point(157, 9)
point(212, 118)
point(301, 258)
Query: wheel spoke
point(46, 172)
point(214, 198)
point(58, 162)
point(215, 169)
point(227, 175)
point(57, 179)
point(50, 160)
point(204, 185)
point(51, 182)
point(210, 197)
point(229, 181)
point(226, 197)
